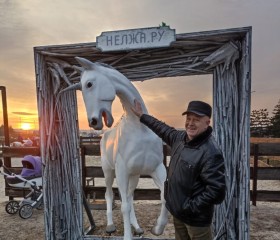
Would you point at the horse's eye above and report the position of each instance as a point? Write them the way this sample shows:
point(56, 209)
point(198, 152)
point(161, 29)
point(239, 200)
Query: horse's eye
point(89, 85)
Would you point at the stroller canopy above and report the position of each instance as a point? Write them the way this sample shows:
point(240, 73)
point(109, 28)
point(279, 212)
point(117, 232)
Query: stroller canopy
point(32, 166)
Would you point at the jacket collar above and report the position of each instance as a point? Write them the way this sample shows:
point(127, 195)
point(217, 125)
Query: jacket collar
point(198, 140)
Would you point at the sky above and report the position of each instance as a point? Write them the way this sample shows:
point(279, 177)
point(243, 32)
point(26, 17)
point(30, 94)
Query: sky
point(30, 23)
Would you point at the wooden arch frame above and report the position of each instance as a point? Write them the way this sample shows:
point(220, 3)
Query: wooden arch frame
point(224, 53)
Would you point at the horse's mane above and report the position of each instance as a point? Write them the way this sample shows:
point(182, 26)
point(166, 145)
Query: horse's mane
point(118, 122)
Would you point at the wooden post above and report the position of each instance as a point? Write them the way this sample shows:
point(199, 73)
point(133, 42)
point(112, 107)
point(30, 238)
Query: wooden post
point(255, 174)
point(7, 160)
point(5, 116)
point(83, 159)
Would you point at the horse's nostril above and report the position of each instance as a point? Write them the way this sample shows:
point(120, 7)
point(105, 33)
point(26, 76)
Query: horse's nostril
point(93, 122)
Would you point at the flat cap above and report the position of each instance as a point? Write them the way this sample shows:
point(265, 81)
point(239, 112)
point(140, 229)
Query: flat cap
point(200, 108)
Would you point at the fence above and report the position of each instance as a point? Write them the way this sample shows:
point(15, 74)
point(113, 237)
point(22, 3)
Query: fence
point(90, 147)
point(264, 173)
point(256, 173)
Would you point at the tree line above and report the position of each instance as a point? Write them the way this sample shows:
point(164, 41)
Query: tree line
point(264, 126)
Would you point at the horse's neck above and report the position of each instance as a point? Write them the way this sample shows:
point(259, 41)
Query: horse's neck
point(127, 93)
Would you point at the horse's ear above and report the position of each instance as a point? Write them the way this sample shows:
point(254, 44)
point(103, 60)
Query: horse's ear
point(86, 64)
point(76, 86)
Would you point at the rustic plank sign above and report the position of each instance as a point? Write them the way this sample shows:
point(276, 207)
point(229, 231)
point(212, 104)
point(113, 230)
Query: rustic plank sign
point(135, 39)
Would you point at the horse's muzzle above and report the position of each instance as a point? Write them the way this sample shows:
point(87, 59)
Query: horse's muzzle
point(97, 123)
point(93, 122)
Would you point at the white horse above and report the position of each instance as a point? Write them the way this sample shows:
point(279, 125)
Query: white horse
point(127, 150)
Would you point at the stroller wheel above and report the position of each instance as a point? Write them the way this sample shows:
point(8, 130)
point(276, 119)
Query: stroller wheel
point(25, 211)
point(40, 205)
point(12, 207)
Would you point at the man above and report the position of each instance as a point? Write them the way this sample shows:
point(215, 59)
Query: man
point(195, 180)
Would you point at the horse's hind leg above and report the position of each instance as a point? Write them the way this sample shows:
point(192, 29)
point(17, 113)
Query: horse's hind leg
point(109, 196)
point(133, 181)
point(159, 176)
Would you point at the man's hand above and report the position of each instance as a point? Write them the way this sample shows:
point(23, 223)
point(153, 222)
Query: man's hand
point(137, 109)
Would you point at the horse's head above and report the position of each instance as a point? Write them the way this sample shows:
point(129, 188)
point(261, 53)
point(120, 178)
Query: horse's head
point(98, 93)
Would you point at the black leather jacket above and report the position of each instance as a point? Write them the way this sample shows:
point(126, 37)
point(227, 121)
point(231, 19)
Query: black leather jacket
point(195, 179)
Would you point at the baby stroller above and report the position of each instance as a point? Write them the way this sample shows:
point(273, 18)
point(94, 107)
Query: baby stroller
point(30, 178)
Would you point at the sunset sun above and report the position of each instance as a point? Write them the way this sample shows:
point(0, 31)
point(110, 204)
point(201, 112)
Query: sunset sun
point(26, 126)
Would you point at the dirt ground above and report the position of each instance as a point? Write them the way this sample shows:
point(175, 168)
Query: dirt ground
point(265, 220)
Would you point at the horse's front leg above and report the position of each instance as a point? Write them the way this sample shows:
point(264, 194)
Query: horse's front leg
point(109, 175)
point(159, 176)
point(122, 180)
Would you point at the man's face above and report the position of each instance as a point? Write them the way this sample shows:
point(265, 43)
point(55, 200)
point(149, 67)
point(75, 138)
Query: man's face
point(196, 124)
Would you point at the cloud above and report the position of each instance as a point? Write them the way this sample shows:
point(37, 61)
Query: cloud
point(167, 98)
point(26, 24)
point(23, 113)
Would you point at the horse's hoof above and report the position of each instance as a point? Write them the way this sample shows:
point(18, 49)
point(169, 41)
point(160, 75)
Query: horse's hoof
point(110, 228)
point(157, 230)
point(139, 231)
